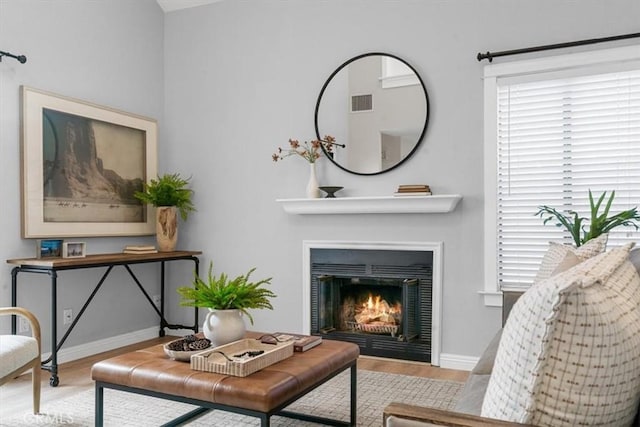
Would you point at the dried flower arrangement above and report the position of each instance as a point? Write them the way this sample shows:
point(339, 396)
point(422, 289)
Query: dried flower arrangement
point(310, 151)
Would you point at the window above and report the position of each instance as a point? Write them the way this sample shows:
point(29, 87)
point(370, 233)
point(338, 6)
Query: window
point(556, 128)
point(396, 73)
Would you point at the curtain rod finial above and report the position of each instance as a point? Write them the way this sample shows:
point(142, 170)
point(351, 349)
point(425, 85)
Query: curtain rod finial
point(21, 58)
point(487, 55)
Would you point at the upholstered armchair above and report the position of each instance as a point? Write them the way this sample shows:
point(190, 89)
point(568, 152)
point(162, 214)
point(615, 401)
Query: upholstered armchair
point(20, 353)
point(568, 354)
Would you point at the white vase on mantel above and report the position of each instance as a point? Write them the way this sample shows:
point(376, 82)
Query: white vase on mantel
point(313, 192)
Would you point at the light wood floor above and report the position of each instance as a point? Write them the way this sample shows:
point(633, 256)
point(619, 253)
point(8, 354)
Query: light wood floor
point(75, 377)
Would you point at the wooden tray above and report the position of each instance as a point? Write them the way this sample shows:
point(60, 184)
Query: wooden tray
point(212, 361)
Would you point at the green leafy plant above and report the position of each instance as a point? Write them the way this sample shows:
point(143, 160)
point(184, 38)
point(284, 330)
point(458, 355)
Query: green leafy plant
point(222, 293)
point(599, 223)
point(168, 190)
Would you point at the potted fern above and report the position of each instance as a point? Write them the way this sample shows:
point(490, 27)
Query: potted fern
point(227, 300)
point(169, 194)
point(600, 223)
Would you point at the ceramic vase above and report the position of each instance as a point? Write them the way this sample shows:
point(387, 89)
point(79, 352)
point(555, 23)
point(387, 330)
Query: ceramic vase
point(313, 192)
point(223, 326)
point(166, 228)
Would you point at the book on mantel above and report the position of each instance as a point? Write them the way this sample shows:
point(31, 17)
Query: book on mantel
point(413, 190)
point(300, 342)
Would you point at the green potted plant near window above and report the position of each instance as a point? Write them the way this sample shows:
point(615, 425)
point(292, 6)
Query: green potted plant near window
point(169, 194)
point(227, 300)
point(600, 223)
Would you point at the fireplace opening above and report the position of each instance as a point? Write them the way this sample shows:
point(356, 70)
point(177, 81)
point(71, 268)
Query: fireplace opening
point(386, 307)
point(380, 300)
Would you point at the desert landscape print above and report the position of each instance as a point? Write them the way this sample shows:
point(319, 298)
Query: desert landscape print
point(91, 169)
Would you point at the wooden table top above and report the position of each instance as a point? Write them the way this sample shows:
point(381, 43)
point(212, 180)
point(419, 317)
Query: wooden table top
point(101, 259)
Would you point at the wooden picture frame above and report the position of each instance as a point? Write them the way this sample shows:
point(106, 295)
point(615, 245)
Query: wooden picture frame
point(74, 250)
point(81, 164)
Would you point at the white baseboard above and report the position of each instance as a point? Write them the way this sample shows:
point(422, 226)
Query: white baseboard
point(91, 348)
point(456, 361)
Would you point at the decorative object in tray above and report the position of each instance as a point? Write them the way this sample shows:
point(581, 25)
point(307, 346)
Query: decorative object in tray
point(241, 358)
point(300, 342)
point(182, 349)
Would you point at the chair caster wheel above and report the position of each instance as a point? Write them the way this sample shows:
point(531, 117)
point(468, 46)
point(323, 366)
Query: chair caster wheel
point(54, 381)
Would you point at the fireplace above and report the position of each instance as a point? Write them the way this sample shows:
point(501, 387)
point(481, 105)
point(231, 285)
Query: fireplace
point(380, 299)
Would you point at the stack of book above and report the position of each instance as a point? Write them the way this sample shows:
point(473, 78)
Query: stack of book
point(413, 190)
point(140, 249)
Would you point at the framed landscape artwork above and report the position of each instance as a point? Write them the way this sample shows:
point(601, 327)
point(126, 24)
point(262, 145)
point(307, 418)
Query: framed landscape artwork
point(81, 164)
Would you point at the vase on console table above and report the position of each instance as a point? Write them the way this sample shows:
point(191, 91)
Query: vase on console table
point(313, 192)
point(166, 228)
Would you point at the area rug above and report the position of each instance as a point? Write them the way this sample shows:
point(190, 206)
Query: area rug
point(375, 391)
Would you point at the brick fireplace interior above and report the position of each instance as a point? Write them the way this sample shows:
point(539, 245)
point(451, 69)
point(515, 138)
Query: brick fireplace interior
point(381, 300)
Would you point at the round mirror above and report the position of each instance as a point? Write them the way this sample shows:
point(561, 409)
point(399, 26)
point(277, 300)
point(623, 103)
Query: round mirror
point(377, 106)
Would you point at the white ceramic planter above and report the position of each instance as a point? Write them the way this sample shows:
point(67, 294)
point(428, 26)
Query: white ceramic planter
point(223, 326)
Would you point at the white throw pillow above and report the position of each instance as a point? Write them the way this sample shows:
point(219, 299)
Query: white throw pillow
point(557, 253)
point(570, 350)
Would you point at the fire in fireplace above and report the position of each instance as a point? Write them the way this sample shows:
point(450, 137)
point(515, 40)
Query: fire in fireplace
point(385, 308)
point(378, 306)
point(375, 315)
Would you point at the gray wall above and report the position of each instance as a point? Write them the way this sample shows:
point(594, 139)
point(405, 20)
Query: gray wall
point(241, 78)
point(246, 79)
point(106, 52)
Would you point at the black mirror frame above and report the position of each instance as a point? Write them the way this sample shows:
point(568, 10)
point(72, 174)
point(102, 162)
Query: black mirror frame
point(324, 87)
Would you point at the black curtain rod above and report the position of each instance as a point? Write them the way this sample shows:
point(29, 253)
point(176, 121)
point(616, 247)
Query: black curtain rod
point(491, 55)
point(21, 58)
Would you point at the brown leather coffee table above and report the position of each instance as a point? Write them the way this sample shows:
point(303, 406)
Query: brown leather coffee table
point(262, 394)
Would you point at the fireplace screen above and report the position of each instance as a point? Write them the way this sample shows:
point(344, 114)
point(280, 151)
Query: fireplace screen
point(379, 306)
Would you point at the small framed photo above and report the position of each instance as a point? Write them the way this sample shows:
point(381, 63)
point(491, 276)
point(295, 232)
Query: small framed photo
point(49, 248)
point(73, 250)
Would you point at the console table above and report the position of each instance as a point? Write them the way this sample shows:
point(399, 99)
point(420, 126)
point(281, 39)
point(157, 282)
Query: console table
point(51, 266)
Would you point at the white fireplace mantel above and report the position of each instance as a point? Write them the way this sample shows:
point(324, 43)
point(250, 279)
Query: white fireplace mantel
point(441, 203)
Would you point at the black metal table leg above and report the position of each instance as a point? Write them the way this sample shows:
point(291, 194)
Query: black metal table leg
point(354, 395)
point(14, 297)
point(54, 380)
point(196, 261)
point(162, 322)
point(99, 410)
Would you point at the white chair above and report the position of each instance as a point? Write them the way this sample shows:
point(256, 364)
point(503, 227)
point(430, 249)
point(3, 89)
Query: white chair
point(20, 353)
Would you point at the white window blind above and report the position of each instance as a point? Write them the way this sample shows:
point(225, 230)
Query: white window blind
point(558, 138)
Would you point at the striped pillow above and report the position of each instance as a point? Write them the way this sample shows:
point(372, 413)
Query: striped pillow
point(570, 350)
point(557, 252)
